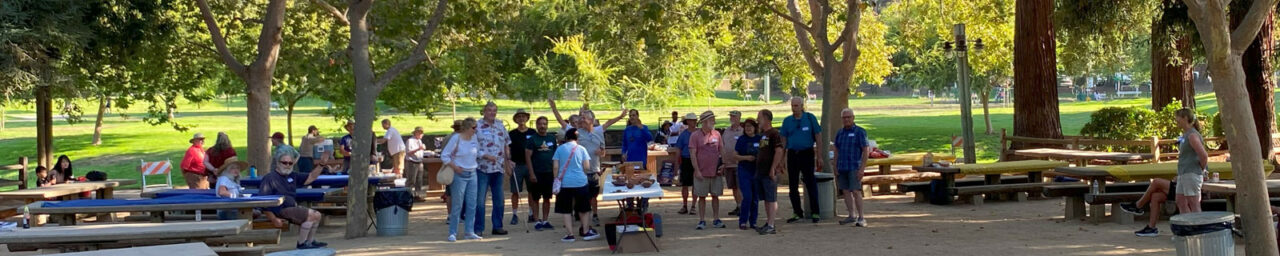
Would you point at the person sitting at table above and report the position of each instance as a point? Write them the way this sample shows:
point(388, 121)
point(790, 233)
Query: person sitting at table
point(228, 185)
point(284, 182)
point(63, 169)
point(1192, 164)
point(44, 178)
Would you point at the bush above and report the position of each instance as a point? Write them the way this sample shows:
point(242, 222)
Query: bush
point(1138, 123)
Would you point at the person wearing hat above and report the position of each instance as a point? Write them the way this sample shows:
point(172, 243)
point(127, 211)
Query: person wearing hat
point(704, 147)
point(413, 161)
point(345, 144)
point(519, 138)
point(728, 159)
point(228, 184)
point(685, 163)
point(193, 164)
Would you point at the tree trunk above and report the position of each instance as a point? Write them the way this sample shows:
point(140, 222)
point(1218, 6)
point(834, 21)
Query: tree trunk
point(1256, 62)
point(986, 111)
point(289, 121)
point(1222, 53)
point(366, 95)
point(44, 129)
point(259, 120)
point(97, 125)
point(835, 97)
point(1035, 72)
point(1169, 80)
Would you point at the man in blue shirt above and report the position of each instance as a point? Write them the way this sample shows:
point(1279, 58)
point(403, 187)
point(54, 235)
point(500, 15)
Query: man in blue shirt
point(685, 163)
point(799, 132)
point(852, 151)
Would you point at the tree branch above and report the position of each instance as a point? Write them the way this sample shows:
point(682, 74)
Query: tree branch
point(418, 54)
point(802, 36)
point(272, 34)
point(795, 20)
point(851, 29)
point(340, 16)
point(1244, 34)
point(221, 42)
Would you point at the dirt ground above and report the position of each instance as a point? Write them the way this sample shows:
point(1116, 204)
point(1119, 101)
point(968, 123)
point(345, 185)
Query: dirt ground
point(896, 225)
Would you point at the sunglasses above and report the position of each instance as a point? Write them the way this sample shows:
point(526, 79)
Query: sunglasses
point(286, 163)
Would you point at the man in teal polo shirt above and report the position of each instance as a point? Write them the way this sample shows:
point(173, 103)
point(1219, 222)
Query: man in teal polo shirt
point(799, 132)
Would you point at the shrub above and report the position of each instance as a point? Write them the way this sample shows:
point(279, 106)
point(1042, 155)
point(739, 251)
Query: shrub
point(1138, 123)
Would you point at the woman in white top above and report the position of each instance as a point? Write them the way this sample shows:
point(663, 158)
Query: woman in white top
point(461, 154)
point(228, 185)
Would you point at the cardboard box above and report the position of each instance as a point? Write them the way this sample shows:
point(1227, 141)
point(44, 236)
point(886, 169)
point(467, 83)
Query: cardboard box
point(635, 242)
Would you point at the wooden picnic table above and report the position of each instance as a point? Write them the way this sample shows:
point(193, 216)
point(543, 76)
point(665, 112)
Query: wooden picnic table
point(188, 249)
point(303, 194)
point(1227, 188)
point(90, 237)
point(335, 181)
point(1098, 176)
point(992, 171)
point(67, 191)
point(885, 165)
point(66, 216)
point(1082, 157)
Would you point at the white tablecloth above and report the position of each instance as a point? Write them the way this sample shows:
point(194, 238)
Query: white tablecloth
point(638, 191)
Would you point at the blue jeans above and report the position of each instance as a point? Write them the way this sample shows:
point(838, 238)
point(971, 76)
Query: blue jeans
point(489, 182)
point(749, 211)
point(463, 192)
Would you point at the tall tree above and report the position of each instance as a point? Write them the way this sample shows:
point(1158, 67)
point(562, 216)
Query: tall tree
point(831, 61)
point(1035, 75)
point(257, 75)
point(1224, 48)
point(1258, 81)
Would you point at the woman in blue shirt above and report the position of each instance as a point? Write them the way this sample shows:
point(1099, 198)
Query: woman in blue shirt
point(573, 197)
point(635, 140)
point(748, 146)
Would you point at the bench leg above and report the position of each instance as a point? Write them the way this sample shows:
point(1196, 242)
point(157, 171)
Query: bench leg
point(976, 200)
point(1074, 207)
point(157, 217)
point(1120, 216)
point(1097, 213)
point(884, 170)
point(1020, 196)
point(920, 197)
point(866, 191)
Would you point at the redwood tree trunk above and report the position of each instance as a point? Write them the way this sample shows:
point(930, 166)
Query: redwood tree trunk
point(1257, 71)
point(97, 125)
point(1170, 80)
point(1035, 72)
point(44, 123)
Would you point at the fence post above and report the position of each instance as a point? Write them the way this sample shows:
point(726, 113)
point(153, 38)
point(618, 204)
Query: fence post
point(1155, 149)
point(22, 173)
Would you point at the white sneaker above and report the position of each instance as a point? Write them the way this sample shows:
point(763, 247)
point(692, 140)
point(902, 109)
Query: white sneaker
point(861, 222)
point(474, 236)
point(453, 238)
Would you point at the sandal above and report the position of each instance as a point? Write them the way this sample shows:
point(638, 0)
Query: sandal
point(683, 210)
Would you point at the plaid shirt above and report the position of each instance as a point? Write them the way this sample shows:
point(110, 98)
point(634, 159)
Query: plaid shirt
point(850, 142)
point(493, 138)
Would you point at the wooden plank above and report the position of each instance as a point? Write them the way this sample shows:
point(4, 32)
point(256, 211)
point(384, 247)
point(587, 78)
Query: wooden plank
point(123, 232)
point(37, 207)
point(1111, 198)
point(256, 236)
point(191, 249)
point(1082, 172)
point(58, 190)
point(240, 251)
point(11, 167)
point(1079, 189)
point(1002, 188)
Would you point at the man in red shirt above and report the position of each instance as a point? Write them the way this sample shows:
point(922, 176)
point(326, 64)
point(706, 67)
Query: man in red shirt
point(708, 180)
point(193, 168)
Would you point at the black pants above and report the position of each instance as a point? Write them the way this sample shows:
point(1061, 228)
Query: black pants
point(801, 162)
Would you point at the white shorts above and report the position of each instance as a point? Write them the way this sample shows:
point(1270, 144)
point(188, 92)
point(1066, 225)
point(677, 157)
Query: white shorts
point(1189, 184)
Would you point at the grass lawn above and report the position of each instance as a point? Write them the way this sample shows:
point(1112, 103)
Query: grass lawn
point(898, 124)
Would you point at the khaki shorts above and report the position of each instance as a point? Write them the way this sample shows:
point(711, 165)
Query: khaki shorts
point(397, 161)
point(1189, 184)
point(196, 181)
point(702, 186)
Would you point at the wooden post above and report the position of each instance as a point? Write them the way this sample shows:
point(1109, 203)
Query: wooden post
point(22, 173)
point(1004, 144)
point(1155, 149)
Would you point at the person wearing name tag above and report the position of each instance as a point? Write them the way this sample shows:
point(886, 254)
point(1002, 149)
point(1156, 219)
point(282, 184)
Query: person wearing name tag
point(799, 133)
point(728, 162)
point(539, 150)
point(284, 182)
point(852, 151)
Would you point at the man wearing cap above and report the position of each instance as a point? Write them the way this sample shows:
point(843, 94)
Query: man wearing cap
point(685, 163)
point(519, 140)
point(346, 144)
point(491, 134)
point(704, 147)
point(799, 132)
point(395, 147)
point(728, 158)
point(193, 167)
point(307, 149)
point(413, 169)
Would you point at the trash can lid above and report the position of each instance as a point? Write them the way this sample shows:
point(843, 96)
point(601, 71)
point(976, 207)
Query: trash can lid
point(1201, 218)
point(824, 176)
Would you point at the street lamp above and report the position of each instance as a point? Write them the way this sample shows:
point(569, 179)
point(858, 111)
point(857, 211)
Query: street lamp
point(960, 52)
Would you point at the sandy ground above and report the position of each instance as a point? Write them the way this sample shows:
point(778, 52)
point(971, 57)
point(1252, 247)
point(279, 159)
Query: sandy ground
point(896, 226)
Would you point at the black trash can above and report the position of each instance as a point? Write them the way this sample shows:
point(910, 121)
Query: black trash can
point(393, 206)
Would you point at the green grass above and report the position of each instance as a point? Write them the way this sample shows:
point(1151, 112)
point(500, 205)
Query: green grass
point(898, 124)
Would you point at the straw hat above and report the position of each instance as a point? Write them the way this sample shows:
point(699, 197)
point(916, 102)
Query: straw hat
point(690, 116)
point(520, 112)
point(198, 136)
point(707, 116)
point(232, 161)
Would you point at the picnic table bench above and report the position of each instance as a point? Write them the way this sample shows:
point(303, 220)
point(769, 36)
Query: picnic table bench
point(304, 195)
point(921, 189)
point(1073, 195)
point(67, 191)
point(884, 166)
point(1099, 194)
point(1082, 157)
point(190, 249)
point(333, 181)
point(992, 172)
point(106, 236)
point(1227, 189)
point(64, 212)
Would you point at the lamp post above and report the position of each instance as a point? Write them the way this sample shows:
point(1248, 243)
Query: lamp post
point(960, 52)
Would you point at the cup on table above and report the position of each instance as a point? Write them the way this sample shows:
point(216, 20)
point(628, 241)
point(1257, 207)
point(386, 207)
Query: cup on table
point(246, 195)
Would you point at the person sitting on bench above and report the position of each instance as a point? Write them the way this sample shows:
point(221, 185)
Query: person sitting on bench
point(1192, 163)
point(284, 182)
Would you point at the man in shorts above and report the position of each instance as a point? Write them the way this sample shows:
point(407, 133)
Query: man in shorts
point(705, 147)
point(284, 182)
point(686, 164)
point(395, 147)
point(539, 149)
point(728, 160)
point(768, 165)
point(851, 158)
point(519, 140)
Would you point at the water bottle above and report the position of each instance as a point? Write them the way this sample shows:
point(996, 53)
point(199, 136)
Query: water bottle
point(26, 217)
point(253, 172)
point(1095, 188)
point(1215, 178)
point(198, 216)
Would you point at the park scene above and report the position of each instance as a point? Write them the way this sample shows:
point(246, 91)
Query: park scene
point(587, 127)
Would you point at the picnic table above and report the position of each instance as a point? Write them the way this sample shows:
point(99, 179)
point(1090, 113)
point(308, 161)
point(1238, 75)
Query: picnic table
point(992, 171)
point(885, 165)
point(333, 181)
point(629, 203)
point(92, 237)
point(1098, 176)
point(1227, 188)
point(303, 195)
point(654, 157)
point(1082, 157)
point(189, 249)
point(65, 211)
point(67, 191)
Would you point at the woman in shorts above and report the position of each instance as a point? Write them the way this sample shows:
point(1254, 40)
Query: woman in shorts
point(571, 160)
point(1192, 163)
